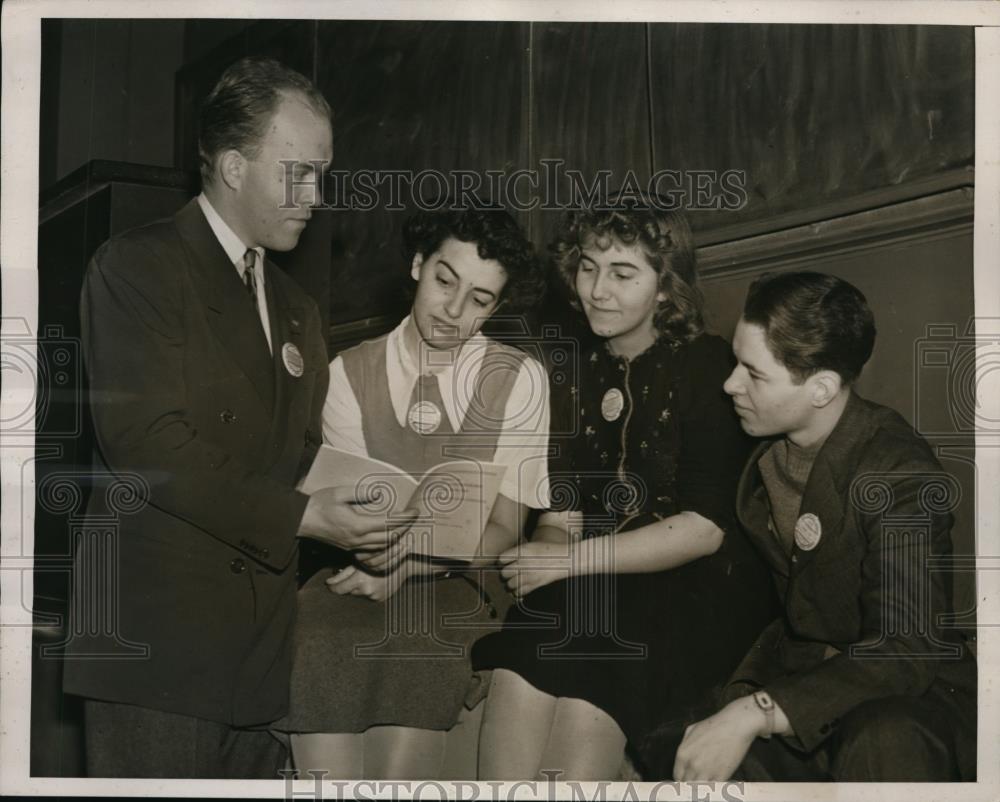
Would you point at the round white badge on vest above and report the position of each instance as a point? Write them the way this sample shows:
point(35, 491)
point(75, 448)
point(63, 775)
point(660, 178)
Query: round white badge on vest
point(807, 531)
point(294, 363)
point(424, 417)
point(612, 404)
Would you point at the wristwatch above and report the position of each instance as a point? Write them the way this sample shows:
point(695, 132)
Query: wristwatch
point(764, 701)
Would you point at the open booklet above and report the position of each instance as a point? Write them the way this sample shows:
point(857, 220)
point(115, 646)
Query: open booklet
point(454, 499)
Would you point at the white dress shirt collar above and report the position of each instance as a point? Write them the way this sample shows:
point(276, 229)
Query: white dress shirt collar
point(235, 250)
point(231, 244)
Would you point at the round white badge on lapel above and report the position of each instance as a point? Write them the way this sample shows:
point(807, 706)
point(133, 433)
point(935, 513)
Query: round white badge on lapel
point(294, 363)
point(807, 531)
point(424, 417)
point(612, 404)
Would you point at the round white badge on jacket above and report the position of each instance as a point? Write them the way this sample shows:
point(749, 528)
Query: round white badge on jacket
point(424, 417)
point(294, 363)
point(808, 531)
point(612, 404)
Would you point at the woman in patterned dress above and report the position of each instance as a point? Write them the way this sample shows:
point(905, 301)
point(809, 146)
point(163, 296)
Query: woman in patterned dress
point(637, 594)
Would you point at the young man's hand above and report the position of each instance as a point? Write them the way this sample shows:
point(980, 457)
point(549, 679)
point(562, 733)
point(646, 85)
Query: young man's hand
point(712, 749)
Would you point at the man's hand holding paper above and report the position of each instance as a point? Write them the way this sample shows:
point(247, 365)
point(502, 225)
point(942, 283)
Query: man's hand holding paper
point(343, 517)
point(450, 505)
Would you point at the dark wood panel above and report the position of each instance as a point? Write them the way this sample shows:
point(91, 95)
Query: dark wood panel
point(589, 105)
point(201, 36)
point(812, 113)
point(48, 113)
point(156, 51)
point(92, 103)
point(411, 96)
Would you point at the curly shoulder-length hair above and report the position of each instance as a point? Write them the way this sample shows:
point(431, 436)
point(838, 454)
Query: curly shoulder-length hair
point(497, 236)
point(666, 240)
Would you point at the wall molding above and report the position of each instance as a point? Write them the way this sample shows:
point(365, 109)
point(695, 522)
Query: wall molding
point(944, 214)
point(96, 174)
point(860, 202)
point(344, 335)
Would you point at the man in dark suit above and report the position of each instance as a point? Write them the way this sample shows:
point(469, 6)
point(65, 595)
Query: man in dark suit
point(208, 372)
point(856, 678)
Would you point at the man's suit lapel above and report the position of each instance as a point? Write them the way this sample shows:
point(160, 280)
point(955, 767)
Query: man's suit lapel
point(830, 480)
point(287, 327)
point(230, 314)
point(822, 498)
point(754, 512)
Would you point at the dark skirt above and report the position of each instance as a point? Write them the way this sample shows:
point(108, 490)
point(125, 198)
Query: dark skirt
point(651, 650)
point(359, 663)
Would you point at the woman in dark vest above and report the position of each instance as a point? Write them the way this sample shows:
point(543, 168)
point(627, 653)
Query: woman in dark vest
point(638, 592)
point(381, 670)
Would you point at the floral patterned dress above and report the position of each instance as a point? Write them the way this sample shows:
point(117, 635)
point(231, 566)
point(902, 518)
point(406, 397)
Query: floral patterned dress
point(643, 439)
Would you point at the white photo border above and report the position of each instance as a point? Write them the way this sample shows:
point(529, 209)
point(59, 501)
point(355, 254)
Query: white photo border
point(21, 32)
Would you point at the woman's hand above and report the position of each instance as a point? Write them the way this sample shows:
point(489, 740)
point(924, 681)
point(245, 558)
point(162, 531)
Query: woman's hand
point(355, 581)
point(529, 566)
point(384, 560)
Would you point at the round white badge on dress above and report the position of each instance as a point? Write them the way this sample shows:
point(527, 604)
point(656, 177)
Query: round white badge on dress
point(424, 417)
point(294, 363)
point(612, 404)
point(807, 531)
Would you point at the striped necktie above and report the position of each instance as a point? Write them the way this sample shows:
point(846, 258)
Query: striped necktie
point(250, 276)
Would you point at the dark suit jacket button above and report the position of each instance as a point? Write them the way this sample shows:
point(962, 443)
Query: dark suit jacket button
point(237, 566)
point(824, 729)
point(227, 416)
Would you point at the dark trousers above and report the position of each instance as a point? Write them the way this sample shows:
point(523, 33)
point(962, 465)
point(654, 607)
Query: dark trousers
point(130, 741)
point(899, 738)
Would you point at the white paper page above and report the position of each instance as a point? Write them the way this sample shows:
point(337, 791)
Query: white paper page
point(388, 487)
point(455, 500)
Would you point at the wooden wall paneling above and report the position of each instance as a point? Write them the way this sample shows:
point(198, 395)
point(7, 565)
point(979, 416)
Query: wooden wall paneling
point(49, 106)
point(589, 105)
point(411, 96)
point(201, 36)
point(155, 53)
point(812, 113)
point(108, 92)
point(94, 57)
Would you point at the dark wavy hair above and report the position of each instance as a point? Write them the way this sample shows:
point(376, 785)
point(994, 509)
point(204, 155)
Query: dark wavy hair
point(238, 109)
point(666, 240)
point(497, 236)
point(812, 322)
